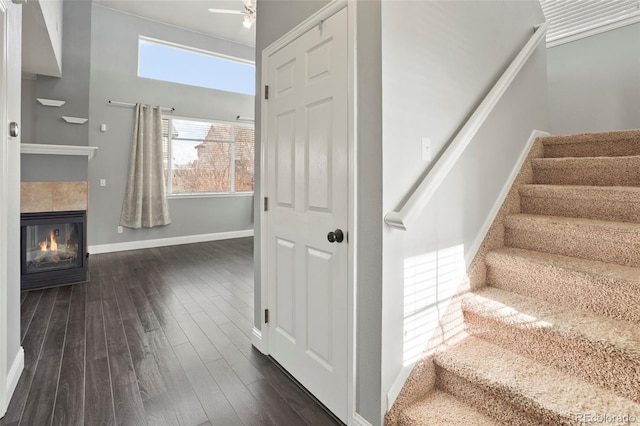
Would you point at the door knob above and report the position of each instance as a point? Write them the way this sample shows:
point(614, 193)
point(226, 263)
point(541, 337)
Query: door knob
point(336, 236)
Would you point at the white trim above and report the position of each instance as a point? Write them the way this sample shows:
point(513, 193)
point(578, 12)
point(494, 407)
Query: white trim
point(398, 384)
point(592, 31)
point(257, 342)
point(324, 13)
point(192, 49)
point(49, 149)
point(352, 416)
point(15, 372)
point(209, 195)
point(172, 241)
point(327, 11)
point(4, 190)
point(231, 122)
point(421, 195)
point(264, 293)
point(358, 420)
point(475, 246)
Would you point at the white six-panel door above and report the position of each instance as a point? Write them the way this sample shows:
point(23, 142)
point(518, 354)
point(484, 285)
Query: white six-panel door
point(307, 186)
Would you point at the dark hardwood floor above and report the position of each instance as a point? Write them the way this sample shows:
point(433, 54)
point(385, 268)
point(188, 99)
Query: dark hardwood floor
point(156, 337)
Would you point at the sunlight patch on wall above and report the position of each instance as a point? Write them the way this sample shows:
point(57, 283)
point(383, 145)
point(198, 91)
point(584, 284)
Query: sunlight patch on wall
point(430, 281)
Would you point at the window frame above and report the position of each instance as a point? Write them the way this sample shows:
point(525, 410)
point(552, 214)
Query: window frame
point(232, 155)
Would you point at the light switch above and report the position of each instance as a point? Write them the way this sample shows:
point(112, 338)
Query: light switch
point(103, 127)
point(103, 182)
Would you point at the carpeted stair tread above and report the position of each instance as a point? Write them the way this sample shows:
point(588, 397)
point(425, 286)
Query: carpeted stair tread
point(602, 288)
point(619, 203)
point(605, 241)
point(526, 312)
point(619, 143)
point(572, 340)
point(532, 389)
point(591, 171)
point(442, 409)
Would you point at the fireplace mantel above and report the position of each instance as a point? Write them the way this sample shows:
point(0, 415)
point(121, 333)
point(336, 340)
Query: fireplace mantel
point(41, 148)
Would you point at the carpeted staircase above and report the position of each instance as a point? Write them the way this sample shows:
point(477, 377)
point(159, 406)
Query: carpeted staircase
point(554, 336)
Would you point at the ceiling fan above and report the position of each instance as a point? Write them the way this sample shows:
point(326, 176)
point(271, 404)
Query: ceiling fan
point(249, 12)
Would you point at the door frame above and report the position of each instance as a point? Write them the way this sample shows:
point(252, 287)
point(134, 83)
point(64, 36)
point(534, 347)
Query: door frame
point(4, 197)
point(261, 336)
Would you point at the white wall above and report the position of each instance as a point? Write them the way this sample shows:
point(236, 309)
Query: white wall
point(42, 21)
point(52, 13)
point(369, 213)
point(439, 60)
point(594, 83)
point(29, 109)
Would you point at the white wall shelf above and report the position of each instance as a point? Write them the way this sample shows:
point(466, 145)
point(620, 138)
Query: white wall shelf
point(40, 148)
point(51, 102)
point(75, 120)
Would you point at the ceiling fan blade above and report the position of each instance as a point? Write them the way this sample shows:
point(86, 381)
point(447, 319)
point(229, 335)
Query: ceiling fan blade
point(227, 11)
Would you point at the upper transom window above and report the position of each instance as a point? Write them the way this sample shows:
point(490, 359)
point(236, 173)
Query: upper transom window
point(180, 64)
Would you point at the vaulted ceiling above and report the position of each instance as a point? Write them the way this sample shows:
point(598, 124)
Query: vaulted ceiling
point(193, 15)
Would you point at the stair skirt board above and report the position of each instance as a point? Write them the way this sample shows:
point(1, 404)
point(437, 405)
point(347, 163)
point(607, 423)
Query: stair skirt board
point(552, 321)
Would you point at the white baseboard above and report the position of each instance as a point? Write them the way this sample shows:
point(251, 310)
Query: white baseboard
point(473, 249)
point(398, 384)
point(14, 373)
point(358, 420)
point(257, 341)
point(162, 242)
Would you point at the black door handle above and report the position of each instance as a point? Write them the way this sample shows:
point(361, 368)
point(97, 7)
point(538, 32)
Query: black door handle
point(336, 236)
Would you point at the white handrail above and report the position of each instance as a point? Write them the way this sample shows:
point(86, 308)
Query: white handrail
point(430, 183)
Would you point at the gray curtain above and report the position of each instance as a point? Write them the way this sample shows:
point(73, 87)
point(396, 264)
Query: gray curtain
point(145, 200)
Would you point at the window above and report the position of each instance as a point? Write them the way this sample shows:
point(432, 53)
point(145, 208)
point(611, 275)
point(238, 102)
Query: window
point(207, 157)
point(573, 20)
point(167, 62)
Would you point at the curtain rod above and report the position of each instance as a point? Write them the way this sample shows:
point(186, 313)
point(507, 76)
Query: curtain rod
point(129, 104)
point(239, 118)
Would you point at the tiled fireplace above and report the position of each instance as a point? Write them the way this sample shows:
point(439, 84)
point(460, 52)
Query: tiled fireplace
point(53, 233)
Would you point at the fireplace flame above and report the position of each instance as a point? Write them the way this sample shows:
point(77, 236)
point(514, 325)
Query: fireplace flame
point(49, 244)
point(54, 245)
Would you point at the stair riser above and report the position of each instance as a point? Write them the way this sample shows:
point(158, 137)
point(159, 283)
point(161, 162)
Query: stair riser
point(585, 208)
point(593, 148)
point(599, 295)
point(607, 366)
point(442, 409)
point(493, 402)
point(593, 243)
point(624, 173)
